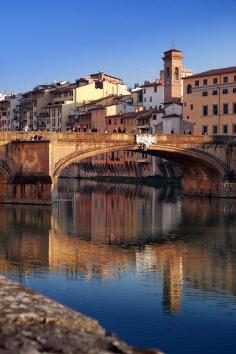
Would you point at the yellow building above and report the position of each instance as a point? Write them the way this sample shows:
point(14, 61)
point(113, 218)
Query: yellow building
point(66, 98)
point(210, 101)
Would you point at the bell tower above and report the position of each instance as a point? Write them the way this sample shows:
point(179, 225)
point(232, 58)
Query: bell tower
point(173, 73)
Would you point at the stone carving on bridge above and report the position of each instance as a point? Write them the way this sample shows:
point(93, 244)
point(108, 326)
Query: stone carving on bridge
point(145, 140)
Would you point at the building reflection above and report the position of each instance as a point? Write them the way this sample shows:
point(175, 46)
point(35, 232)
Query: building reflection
point(100, 231)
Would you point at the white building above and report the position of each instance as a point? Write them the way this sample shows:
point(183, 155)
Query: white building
point(153, 94)
point(167, 119)
point(15, 112)
point(4, 95)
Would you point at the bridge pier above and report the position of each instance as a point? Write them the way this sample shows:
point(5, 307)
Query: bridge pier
point(28, 190)
point(208, 187)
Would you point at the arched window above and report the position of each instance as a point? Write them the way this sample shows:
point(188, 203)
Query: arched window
point(168, 72)
point(176, 73)
point(189, 88)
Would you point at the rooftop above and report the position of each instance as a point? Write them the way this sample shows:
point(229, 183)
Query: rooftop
point(213, 72)
point(153, 84)
point(173, 50)
point(138, 115)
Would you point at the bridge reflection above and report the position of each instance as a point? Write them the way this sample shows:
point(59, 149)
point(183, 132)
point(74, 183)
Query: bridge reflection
point(105, 229)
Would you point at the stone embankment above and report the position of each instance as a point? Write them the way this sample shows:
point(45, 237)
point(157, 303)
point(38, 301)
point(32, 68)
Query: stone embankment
point(31, 323)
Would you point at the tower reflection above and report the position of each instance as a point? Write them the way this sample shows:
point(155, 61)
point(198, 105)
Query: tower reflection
point(100, 231)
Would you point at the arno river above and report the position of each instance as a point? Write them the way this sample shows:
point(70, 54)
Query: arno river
point(156, 268)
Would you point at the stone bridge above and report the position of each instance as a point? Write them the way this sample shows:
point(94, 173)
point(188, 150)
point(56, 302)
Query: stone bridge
point(29, 169)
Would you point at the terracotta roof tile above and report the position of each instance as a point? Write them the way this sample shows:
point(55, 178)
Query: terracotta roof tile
point(213, 72)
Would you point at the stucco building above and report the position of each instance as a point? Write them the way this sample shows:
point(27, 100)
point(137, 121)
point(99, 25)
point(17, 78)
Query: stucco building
point(210, 101)
point(153, 94)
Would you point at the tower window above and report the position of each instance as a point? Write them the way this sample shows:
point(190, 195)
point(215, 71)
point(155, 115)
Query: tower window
point(176, 73)
point(168, 72)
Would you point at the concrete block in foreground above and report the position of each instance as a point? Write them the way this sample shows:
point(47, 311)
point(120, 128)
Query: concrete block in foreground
point(31, 324)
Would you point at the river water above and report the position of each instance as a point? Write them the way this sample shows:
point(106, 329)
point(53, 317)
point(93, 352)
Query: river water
point(156, 268)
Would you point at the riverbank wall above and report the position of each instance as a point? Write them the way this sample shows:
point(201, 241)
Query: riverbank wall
point(31, 324)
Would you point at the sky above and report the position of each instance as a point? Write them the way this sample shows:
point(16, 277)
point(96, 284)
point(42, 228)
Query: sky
point(50, 40)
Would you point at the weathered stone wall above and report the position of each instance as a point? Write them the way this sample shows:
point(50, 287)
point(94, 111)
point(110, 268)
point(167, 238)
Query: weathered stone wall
point(31, 324)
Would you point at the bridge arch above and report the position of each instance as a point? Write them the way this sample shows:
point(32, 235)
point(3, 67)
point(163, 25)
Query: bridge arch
point(194, 162)
point(77, 156)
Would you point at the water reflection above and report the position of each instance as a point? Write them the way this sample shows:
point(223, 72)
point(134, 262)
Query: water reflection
point(182, 238)
point(103, 232)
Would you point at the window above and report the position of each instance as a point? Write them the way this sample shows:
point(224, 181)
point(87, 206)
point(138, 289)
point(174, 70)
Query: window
point(150, 99)
point(197, 83)
point(225, 91)
point(155, 88)
point(215, 81)
point(214, 129)
point(234, 89)
point(204, 129)
point(205, 93)
point(109, 121)
point(191, 107)
point(168, 72)
point(214, 109)
point(225, 129)
point(176, 73)
point(225, 79)
point(121, 120)
point(144, 90)
point(205, 110)
point(214, 92)
point(234, 108)
point(225, 108)
point(205, 82)
point(154, 116)
point(145, 100)
point(234, 77)
point(234, 128)
point(189, 88)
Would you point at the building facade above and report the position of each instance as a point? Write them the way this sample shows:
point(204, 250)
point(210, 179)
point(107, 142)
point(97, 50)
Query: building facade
point(210, 101)
point(153, 94)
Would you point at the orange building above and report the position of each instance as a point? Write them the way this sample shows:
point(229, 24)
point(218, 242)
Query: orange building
point(210, 101)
